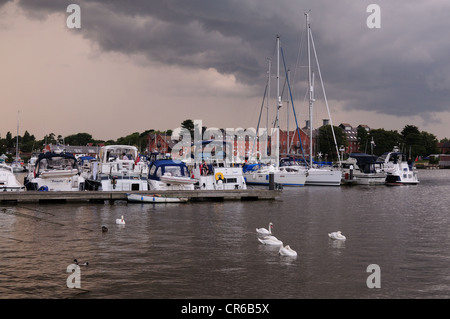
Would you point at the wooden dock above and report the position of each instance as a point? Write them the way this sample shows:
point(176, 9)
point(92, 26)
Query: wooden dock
point(98, 196)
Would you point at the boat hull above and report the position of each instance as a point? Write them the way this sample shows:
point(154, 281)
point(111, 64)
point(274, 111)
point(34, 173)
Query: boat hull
point(323, 177)
point(283, 178)
point(155, 199)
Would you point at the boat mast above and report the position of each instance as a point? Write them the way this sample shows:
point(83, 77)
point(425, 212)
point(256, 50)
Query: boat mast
point(311, 98)
point(279, 104)
point(268, 105)
point(17, 136)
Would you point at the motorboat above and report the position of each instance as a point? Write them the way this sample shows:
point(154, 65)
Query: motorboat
point(155, 199)
point(118, 168)
point(8, 181)
point(213, 176)
point(18, 166)
point(55, 171)
point(399, 170)
point(258, 174)
point(166, 174)
point(365, 169)
point(215, 172)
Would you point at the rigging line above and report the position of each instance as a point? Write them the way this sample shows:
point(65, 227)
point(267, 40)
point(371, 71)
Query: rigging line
point(292, 102)
point(259, 119)
point(325, 97)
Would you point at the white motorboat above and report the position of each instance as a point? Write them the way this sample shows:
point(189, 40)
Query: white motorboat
point(8, 181)
point(55, 171)
point(119, 169)
point(217, 173)
point(365, 169)
point(168, 174)
point(17, 166)
point(255, 174)
point(155, 199)
point(399, 170)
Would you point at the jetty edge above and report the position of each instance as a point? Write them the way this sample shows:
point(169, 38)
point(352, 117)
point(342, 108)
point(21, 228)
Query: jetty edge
point(95, 196)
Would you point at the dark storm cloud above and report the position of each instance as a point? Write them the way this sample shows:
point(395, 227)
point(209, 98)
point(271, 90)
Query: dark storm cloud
point(400, 69)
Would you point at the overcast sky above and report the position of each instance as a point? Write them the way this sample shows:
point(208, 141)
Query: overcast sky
point(142, 64)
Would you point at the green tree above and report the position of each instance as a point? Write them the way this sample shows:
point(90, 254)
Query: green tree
point(188, 125)
point(363, 139)
point(131, 139)
point(326, 143)
point(78, 139)
point(431, 142)
point(384, 140)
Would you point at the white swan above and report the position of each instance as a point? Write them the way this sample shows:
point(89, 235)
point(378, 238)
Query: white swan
point(287, 251)
point(271, 240)
point(120, 221)
point(337, 235)
point(264, 231)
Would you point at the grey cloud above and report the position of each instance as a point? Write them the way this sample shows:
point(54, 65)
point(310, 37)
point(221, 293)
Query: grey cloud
point(399, 69)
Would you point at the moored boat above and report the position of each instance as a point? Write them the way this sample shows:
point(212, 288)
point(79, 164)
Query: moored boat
point(166, 174)
point(119, 168)
point(55, 171)
point(155, 199)
point(8, 181)
point(399, 170)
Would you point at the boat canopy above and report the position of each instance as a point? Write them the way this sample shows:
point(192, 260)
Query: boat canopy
point(55, 161)
point(113, 152)
point(174, 167)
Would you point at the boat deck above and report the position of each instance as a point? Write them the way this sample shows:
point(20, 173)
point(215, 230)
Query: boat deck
point(96, 196)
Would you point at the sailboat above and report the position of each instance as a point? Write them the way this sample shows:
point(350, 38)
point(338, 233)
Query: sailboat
point(317, 175)
point(257, 174)
point(17, 164)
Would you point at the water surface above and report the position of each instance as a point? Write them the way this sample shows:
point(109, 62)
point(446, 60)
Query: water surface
point(210, 249)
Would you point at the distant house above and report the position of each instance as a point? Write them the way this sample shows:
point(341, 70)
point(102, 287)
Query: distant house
point(161, 143)
point(296, 145)
point(352, 138)
point(364, 126)
point(444, 161)
point(444, 148)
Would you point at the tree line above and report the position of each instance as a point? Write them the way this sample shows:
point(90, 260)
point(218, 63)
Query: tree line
point(411, 140)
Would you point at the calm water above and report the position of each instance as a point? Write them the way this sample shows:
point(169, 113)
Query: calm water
point(210, 249)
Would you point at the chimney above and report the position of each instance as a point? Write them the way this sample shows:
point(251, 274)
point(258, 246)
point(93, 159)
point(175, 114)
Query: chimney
point(326, 122)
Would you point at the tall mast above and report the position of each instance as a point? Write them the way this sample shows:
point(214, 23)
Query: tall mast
point(311, 98)
point(268, 103)
point(279, 104)
point(17, 136)
point(287, 118)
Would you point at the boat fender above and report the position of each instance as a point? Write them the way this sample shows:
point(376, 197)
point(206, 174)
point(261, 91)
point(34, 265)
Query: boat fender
point(219, 175)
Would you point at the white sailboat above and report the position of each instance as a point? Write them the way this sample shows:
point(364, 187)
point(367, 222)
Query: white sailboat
point(282, 175)
point(317, 175)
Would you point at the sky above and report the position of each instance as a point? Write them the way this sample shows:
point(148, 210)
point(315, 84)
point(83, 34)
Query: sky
point(151, 64)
